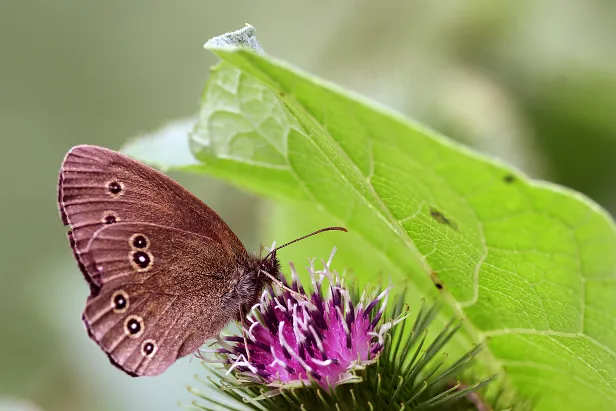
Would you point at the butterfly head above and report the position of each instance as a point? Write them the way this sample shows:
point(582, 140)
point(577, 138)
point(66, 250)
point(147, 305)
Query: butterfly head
point(267, 271)
point(270, 265)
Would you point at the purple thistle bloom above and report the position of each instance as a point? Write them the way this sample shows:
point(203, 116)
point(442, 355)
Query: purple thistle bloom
point(294, 338)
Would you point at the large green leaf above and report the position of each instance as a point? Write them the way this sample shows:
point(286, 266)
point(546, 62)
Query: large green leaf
point(529, 266)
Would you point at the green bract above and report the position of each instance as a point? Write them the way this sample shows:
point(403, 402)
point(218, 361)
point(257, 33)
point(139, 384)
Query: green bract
point(528, 266)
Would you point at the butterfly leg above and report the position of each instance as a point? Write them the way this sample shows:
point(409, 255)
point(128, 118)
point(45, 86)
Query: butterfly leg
point(284, 287)
point(242, 315)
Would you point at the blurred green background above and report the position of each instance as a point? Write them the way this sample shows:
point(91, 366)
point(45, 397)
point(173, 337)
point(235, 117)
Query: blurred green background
point(532, 82)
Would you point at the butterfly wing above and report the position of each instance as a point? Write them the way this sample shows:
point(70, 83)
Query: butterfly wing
point(98, 187)
point(160, 294)
point(156, 290)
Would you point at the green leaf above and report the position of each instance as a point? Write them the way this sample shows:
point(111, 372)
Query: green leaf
point(167, 148)
point(530, 267)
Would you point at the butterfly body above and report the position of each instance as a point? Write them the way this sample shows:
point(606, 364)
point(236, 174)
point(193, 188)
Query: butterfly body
point(165, 271)
point(248, 283)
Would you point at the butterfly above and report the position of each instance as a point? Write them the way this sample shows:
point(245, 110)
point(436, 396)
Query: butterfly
point(165, 272)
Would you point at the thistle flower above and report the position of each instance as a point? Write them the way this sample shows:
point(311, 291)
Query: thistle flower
point(292, 338)
point(341, 351)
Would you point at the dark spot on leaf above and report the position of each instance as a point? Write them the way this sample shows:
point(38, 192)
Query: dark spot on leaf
point(282, 94)
point(440, 218)
point(436, 280)
point(509, 178)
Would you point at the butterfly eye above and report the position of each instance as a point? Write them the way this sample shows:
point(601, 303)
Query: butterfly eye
point(119, 301)
point(133, 326)
point(148, 348)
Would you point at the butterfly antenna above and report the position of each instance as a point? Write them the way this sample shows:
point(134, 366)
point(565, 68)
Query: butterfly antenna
point(304, 237)
point(273, 253)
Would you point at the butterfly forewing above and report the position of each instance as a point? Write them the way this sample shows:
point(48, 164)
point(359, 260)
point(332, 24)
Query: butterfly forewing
point(100, 187)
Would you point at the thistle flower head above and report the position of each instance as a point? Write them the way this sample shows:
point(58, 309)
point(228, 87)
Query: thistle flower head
point(295, 338)
point(306, 346)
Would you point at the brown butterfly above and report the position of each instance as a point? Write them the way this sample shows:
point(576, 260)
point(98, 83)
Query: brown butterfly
point(165, 271)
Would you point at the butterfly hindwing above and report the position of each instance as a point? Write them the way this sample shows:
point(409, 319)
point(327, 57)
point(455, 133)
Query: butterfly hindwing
point(154, 330)
point(153, 310)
